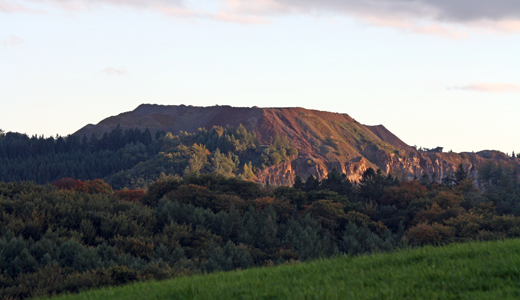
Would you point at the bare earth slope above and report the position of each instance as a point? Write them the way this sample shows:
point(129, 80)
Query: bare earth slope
point(388, 137)
point(324, 140)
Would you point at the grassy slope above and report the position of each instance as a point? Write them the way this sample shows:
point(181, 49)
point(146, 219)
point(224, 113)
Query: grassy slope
point(487, 270)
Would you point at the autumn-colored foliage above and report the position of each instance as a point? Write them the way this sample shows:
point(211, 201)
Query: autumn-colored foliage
point(96, 186)
point(263, 202)
point(130, 195)
point(203, 223)
point(402, 195)
point(447, 200)
point(435, 213)
point(68, 183)
point(424, 234)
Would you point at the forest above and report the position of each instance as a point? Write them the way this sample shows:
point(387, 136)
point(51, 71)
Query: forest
point(75, 235)
point(133, 158)
point(83, 213)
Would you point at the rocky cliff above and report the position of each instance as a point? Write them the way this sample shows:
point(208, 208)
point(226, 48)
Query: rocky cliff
point(324, 140)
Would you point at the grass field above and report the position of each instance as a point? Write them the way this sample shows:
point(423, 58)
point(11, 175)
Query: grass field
point(484, 270)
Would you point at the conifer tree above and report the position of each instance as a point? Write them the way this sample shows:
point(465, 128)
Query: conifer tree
point(460, 174)
point(298, 183)
point(312, 184)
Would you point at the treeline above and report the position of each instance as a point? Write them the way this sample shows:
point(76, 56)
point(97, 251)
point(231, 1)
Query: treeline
point(132, 158)
point(44, 160)
point(16, 145)
point(76, 234)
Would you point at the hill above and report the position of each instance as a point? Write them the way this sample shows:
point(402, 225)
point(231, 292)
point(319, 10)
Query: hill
point(483, 270)
point(324, 140)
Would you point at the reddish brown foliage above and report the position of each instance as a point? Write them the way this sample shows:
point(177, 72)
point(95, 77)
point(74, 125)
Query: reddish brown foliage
point(130, 195)
point(435, 233)
point(68, 183)
point(96, 186)
point(447, 200)
point(402, 195)
point(435, 213)
point(261, 203)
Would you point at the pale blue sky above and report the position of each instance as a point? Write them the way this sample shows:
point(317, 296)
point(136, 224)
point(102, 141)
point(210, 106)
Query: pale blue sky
point(436, 73)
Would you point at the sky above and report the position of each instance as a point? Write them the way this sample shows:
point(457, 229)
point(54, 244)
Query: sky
point(434, 72)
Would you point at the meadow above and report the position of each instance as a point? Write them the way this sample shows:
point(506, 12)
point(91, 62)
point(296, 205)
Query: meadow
point(477, 270)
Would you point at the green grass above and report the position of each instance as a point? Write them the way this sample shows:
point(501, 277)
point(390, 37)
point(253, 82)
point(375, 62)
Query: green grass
point(484, 270)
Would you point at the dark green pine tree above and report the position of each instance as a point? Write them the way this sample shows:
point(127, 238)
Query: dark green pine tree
point(373, 184)
point(337, 182)
point(298, 183)
point(460, 174)
point(312, 184)
point(146, 137)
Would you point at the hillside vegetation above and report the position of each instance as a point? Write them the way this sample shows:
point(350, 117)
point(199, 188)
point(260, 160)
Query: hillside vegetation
point(76, 235)
point(324, 140)
point(483, 270)
point(264, 145)
point(133, 159)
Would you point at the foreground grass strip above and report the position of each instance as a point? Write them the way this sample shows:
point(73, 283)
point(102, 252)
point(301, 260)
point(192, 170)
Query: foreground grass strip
point(484, 270)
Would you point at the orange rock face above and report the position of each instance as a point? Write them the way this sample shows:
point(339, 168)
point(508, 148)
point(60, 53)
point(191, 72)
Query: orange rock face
point(325, 140)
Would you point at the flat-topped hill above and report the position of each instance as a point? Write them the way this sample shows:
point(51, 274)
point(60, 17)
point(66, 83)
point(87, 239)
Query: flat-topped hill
point(324, 140)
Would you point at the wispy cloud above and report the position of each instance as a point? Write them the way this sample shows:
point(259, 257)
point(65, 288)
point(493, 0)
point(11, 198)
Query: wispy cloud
point(256, 7)
point(408, 25)
point(224, 16)
point(438, 17)
point(12, 40)
point(114, 71)
point(447, 18)
point(18, 6)
point(461, 11)
point(10, 7)
point(227, 11)
point(489, 87)
point(237, 18)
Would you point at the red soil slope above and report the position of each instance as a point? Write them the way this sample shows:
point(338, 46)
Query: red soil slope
point(325, 140)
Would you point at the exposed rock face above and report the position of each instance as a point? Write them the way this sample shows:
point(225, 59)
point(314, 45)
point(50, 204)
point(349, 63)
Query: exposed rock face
point(324, 140)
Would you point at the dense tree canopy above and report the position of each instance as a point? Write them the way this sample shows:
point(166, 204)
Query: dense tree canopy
point(127, 206)
point(132, 158)
point(78, 234)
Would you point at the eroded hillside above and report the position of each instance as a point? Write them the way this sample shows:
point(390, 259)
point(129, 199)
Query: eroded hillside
point(324, 140)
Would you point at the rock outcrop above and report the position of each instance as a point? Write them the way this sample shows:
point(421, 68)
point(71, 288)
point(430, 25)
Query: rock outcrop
point(324, 140)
